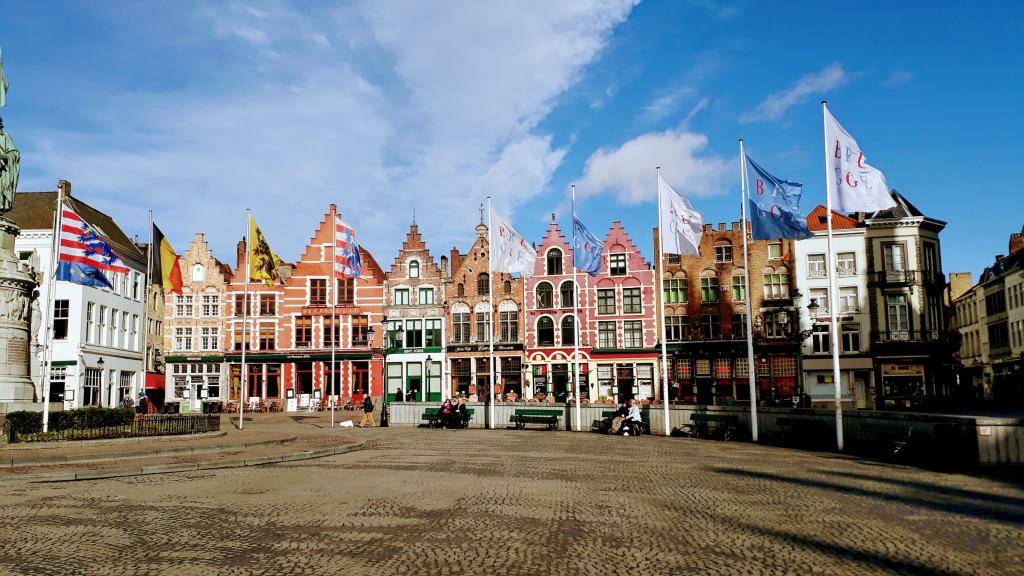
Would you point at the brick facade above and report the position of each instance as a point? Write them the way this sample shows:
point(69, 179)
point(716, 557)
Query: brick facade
point(467, 299)
point(705, 326)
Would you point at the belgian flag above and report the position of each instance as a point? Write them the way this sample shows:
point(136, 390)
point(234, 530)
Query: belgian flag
point(163, 263)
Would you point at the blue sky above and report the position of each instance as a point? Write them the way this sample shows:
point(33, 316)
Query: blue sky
point(199, 110)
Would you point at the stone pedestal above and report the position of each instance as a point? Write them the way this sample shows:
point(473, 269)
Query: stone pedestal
point(16, 285)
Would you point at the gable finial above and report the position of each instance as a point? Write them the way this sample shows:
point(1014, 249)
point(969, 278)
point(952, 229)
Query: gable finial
point(481, 212)
point(552, 217)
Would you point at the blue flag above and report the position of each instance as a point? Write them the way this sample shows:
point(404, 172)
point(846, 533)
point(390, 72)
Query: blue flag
point(586, 254)
point(82, 274)
point(774, 206)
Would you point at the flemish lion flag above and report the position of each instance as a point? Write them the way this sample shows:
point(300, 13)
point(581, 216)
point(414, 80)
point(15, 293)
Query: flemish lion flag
point(164, 267)
point(263, 262)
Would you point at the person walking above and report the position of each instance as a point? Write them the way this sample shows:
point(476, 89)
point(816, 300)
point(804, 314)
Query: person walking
point(367, 412)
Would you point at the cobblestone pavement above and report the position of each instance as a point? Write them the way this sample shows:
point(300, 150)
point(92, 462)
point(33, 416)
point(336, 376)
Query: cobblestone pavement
point(523, 502)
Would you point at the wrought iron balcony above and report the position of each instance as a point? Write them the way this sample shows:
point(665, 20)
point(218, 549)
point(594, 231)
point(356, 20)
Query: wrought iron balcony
point(909, 336)
point(896, 277)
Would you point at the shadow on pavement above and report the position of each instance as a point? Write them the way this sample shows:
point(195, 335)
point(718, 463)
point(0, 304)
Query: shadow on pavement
point(975, 510)
point(994, 499)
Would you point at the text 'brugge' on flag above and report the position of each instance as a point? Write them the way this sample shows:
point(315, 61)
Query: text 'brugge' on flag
point(684, 226)
point(774, 205)
point(347, 262)
point(855, 185)
point(511, 252)
point(84, 257)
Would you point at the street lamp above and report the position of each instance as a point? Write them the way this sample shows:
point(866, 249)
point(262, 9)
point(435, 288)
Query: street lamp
point(801, 335)
point(427, 387)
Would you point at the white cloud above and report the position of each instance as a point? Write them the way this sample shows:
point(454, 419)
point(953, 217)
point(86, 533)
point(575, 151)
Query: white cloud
point(898, 78)
point(664, 105)
point(627, 172)
point(775, 106)
point(380, 107)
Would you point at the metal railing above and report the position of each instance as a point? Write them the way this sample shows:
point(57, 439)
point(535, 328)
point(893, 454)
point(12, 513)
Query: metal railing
point(897, 277)
point(908, 336)
point(152, 425)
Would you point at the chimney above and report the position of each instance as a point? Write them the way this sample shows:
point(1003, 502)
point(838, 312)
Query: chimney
point(65, 187)
point(999, 257)
point(1016, 242)
point(444, 266)
point(456, 259)
point(333, 208)
point(240, 253)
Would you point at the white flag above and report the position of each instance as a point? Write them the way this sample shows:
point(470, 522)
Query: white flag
point(684, 226)
point(856, 186)
point(510, 252)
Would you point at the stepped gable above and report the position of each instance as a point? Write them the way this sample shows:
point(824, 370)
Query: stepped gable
point(414, 243)
point(617, 235)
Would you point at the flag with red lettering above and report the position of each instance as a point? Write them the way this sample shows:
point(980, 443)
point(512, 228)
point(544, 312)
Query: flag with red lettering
point(511, 252)
point(347, 263)
point(855, 185)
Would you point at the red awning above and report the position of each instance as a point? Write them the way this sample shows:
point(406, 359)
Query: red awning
point(154, 381)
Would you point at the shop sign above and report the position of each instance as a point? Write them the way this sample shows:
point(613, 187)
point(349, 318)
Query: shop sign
point(484, 347)
point(902, 369)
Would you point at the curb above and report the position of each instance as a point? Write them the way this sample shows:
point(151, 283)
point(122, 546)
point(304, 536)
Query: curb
point(105, 456)
point(115, 441)
point(186, 467)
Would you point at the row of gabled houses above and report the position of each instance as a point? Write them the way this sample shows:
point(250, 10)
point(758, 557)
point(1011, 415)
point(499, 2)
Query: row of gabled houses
point(422, 327)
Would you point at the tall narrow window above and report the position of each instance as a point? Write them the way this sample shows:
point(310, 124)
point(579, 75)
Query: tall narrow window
point(545, 331)
point(606, 335)
point(631, 302)
point(426, 296)
point(303, 331)
point(566, 294)
point(674, 291)
point(898, 314)
point(413, 333)
point(460, 327)
point(739, 286)
point(568, 331)
point(61, 312)
point(268, 305)
point(360, 330)
point(509, 329)
point(483, 326)
point(432, 333)
point(554, 262)
point(545, 296)
point(401, 296)
point(606, 301)
point(414, 269)
point(346, 291)
point(632, 334)
point(483, 284)
point(708, 286)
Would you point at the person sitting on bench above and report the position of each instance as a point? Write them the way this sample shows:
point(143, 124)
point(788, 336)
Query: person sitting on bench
point(633, 418)
point(447, 414)
point(618, 418)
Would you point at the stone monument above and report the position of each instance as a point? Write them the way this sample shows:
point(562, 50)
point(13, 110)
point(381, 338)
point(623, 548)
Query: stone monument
point(17, 281)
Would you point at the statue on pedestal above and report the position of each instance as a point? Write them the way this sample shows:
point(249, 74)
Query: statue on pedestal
point(17, 281)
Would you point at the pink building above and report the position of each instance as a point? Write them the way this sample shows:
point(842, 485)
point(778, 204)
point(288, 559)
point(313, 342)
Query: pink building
point(618, 340)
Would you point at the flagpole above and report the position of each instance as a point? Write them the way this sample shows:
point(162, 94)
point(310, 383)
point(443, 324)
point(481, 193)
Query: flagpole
point(832, 290)
point(145, 303)
point(245, 319)
point(746, 273)
point(490, 331)
point(58, 218)
point(576, 316)
point(661, 287)
point(334, 309)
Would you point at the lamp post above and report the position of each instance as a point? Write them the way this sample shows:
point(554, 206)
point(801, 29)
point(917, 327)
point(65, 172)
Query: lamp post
point(801, 335)
point(425, 386)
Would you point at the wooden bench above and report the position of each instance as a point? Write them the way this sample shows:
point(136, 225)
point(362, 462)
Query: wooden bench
point(892, 437)
point(602, 425)
point(524, 416)
point(807, 432)
point(432, 416)
point(709, 425)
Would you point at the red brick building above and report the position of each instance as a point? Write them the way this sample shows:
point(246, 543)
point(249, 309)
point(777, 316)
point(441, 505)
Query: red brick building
point(290, 327)
point(705, 319)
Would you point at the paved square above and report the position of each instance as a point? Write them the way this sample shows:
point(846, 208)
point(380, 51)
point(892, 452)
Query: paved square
point(510, 502)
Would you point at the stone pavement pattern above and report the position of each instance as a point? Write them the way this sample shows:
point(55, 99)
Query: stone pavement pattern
point(510, 502)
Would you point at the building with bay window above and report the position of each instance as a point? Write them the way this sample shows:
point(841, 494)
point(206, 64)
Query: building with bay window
point(705, 319)
point(909, 338)
point(194, 335)
point(415, 324)
point(469, 324)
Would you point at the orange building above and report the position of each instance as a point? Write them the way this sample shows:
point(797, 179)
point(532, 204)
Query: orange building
point(289, 334)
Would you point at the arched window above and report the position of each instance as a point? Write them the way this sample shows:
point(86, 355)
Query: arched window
point(508, 286)
point(554, 262)
point(482, 284)
point(414, 269)
point(568, 331)
point(460, 289)
point(545, 296)
point(545, 331)
point(565, 293)
point(198, 273)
